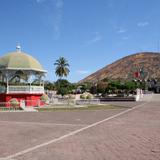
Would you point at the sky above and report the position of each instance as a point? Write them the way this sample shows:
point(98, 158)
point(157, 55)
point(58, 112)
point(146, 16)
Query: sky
point(90, 34)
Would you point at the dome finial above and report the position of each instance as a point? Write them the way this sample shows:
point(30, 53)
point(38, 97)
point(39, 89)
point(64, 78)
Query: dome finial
point(18, 48)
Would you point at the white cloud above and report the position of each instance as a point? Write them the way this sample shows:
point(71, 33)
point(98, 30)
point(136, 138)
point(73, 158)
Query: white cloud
point(40, 1)
point(82, 71)
point(142, 24)
point(121, 30)
point(54, 14)
point(96, 37)
point(58, 18)
point(59, 4)
point(125, 38)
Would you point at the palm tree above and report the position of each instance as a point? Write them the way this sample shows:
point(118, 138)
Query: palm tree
point(62, 69)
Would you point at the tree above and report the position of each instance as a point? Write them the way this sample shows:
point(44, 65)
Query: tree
point(63, 87)
point(49, 85)
point(85, 87)
point(62, 67)
point(101, 87)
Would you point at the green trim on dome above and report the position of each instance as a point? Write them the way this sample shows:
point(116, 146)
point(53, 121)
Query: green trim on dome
point(20, 61)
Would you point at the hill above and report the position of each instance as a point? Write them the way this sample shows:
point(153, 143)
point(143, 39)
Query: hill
point(148, 63)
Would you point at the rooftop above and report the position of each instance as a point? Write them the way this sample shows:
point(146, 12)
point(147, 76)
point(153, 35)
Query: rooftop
point(19, 60)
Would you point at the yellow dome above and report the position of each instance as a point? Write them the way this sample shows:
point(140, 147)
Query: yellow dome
point(20, 61)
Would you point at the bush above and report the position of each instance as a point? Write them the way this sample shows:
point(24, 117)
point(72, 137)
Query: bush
point(14, 103)
point(86, 96)
point(82, 96)
point(44, 98)
point(89, 96)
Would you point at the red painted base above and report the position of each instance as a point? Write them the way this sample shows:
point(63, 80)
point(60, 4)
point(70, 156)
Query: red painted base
point(30, 99)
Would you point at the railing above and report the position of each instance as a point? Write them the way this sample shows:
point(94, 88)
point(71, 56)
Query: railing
point(6, 106)
point(26, 89)
point(87, 101)
point(2, 89)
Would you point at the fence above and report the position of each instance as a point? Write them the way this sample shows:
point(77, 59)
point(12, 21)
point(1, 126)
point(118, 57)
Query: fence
point(63, 101)
point(23, 104)
point(87, 101)
point(6, 106)
point(25, 89)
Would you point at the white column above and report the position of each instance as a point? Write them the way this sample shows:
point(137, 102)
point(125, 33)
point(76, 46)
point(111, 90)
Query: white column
point(29, 87)
point(7, 89)
point(30, 81)
point(43, 86)
point(7, 85)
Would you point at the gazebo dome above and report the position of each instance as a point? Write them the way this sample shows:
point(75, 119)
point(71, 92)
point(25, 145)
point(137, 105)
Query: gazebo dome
point(20, 61)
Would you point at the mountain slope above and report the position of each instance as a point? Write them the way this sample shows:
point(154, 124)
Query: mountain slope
point(125, 68)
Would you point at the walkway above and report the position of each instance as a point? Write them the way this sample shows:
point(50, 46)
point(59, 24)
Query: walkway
point(134, 135)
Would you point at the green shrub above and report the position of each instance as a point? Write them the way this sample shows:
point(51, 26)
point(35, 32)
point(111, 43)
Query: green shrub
point(89, 96)
point(82, 96)
point(14, 103)
point(86, 96)
point(44, 98)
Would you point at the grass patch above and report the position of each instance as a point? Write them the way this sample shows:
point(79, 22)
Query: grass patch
point(9, 109)
point(89, 107)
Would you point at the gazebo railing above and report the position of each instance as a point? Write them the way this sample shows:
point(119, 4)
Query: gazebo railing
point(2, 89)
point(26, 89)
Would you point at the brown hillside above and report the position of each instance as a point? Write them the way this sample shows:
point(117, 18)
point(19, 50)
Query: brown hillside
point(125, 68)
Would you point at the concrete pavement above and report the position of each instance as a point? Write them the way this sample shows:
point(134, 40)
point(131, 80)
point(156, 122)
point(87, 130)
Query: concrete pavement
point(134, 135)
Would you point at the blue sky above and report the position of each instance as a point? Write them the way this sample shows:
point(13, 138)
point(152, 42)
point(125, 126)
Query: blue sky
point(89, 33)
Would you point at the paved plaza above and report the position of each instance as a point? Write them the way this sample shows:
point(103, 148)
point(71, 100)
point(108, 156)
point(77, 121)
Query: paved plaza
point(131, 133)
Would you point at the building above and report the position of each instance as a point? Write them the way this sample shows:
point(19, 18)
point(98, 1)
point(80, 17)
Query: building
point(21, 77)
